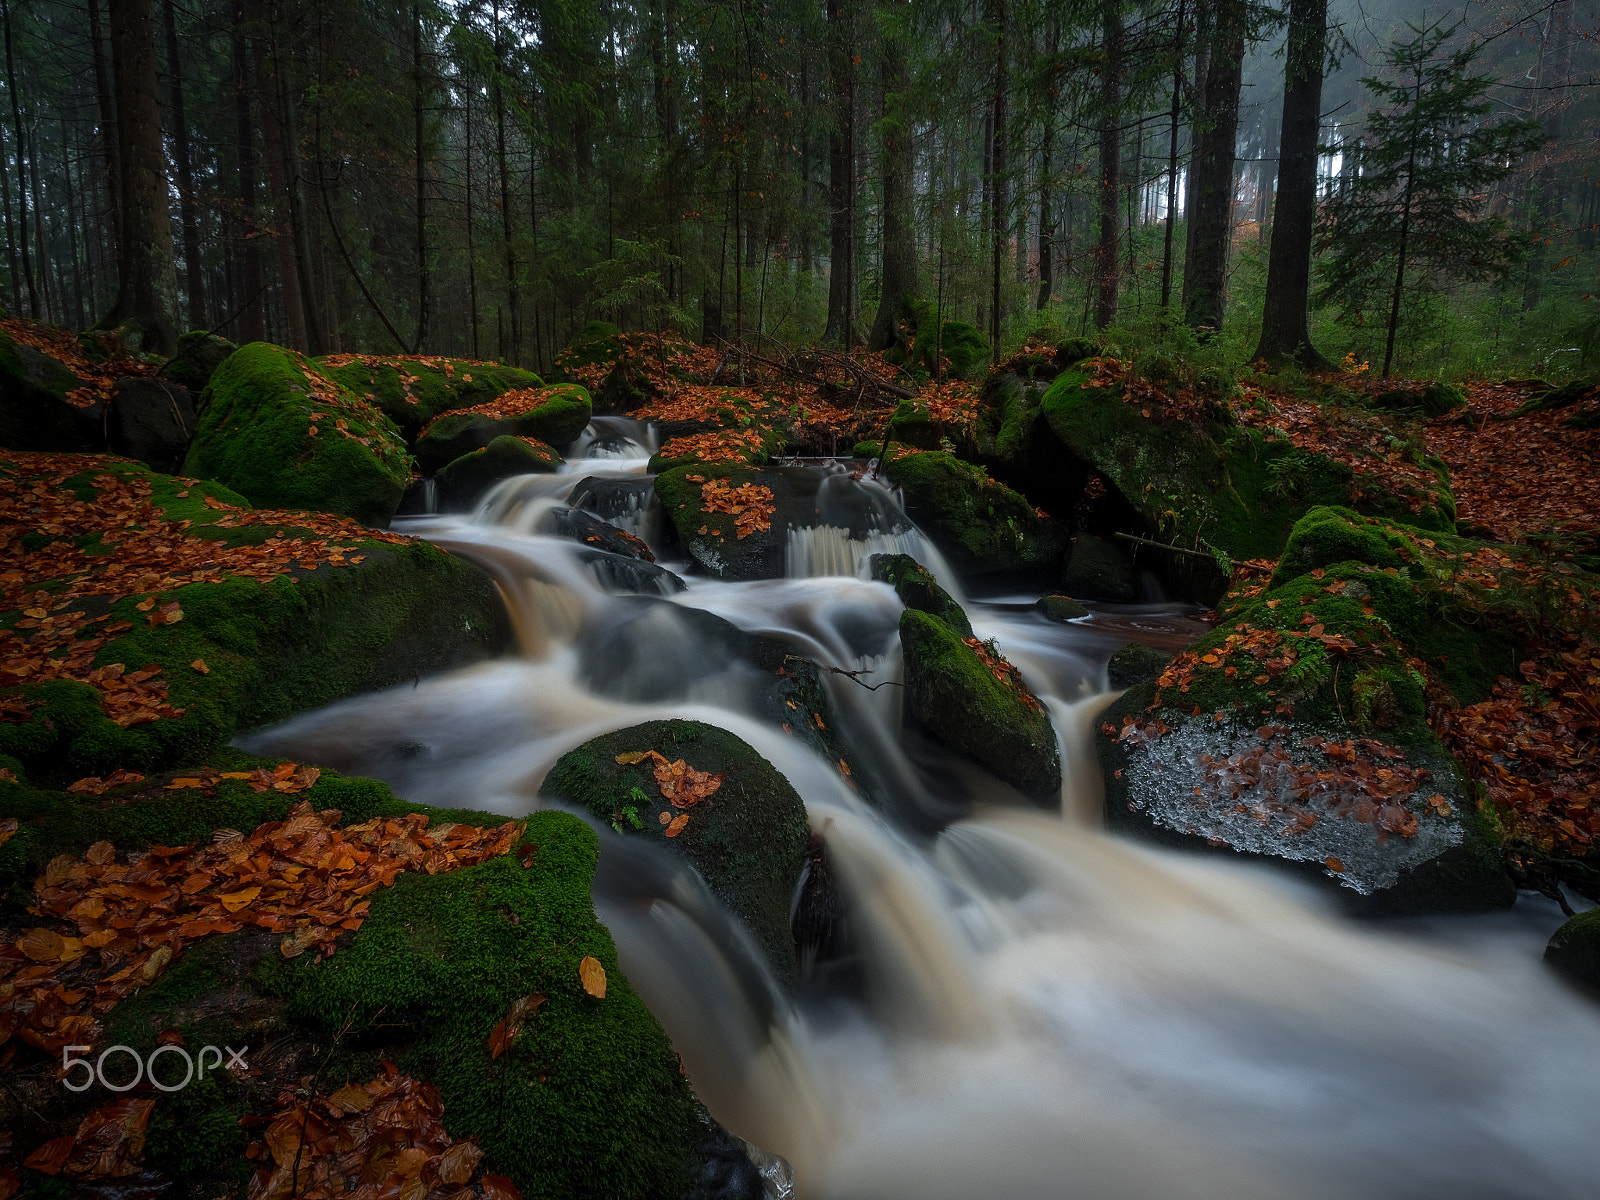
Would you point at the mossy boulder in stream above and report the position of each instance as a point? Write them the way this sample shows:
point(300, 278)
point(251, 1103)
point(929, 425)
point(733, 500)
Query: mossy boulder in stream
point(463, 480)
point(1574, 950)
point(282, 434)
point(918, 589)
point(1061, 608)
point(979, 524)
point(554, 415)
point(413, 390)
point(747, 837)
point(1297, 731)
point(982, 709)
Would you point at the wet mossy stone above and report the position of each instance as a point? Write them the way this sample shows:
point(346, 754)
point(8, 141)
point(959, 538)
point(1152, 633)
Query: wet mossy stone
point(464, 480)
point(911, 424)
point(918, 589)
point(1135, 663)
point(981, 525)
point(34, 413)
point(554, 415)
point(589, 1100)
point(747, 839)
point(712, 538)
point(1099, 570)
point(1074, 350)
point(1434, 400)
point(1363, 695)
point(962, 704)
point(195, 360)
point(1061, 608)
point(1203, 484)
point(584, 527)
point(1574, 950)
point(413, 391)
point(270, 429)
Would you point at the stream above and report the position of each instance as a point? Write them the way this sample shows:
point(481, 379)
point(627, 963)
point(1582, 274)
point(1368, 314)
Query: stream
point(1025, 1006)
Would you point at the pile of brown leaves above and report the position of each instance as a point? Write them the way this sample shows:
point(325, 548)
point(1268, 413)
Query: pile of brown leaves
point(507, 406)
point(106, 1145)
point(716, 446)
point(750, 504)
point(304, 878)
point(1516, 475)
point(1005, 672)
point(666, 360)
point(63, 346)
point(1535, 745)
point(139, 552)
point(681, 785)
point(385, 1138)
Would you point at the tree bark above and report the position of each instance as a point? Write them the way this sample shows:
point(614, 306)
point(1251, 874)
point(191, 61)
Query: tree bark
point(1555, 70)
point(841, 176)
point(294, 312)
point(513, 294)
point(1172, 162)
point(419, 149)
point(194, 280)
point(1285, 334)
point(899, 281)
point(107, 114)
point(245, 247)
point(1105, 310)
point(22, 170)
point(1001, 210)
point(1211, 223)
point(147, 273)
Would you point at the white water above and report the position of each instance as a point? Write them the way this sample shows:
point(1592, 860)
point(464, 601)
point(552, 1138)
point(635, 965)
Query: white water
point(1043, 1010)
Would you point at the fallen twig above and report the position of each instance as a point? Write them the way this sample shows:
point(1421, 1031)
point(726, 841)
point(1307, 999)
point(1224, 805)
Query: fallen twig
point(853, 676)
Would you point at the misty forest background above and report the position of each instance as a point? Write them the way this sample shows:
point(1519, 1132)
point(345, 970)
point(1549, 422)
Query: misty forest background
point(482, 179)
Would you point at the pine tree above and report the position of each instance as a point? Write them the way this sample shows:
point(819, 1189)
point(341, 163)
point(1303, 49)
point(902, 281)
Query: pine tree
point(1416, 213)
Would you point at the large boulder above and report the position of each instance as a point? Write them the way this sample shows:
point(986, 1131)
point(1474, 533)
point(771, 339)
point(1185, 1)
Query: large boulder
point(196, 359)
point(975, 702)
point(1574, 950)
point(1097, 569)
point(463, 480)
point(179, 617)
point(1298, 732)
point(412, 390)
point(708, 797)
point(152, 420)
point(277, 430)
point(42, 406)
point(555, 415)
point(980, 525)
point(918, 589)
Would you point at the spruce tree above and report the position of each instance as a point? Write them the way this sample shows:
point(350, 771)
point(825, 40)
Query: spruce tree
point(1416, 212)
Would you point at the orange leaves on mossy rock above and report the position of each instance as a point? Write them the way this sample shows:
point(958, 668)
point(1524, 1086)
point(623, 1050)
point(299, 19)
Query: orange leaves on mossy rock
point(593, 977)
point(382, 1139)
point(1004, 672)
point(507, 1029)
point(303, 878)
point(716, 446)
point(750, 504)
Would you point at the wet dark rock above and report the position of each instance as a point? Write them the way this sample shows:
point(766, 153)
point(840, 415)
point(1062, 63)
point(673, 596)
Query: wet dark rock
point(1061, 608)
point(34, 412)
point(918, 589)
point(611, 499)
point(1135, 663)
point(196, 359)
point(1097, 569)
point(622, 574)
point(152, 420)
point(583, 527)
point(463, 481)
point(1574, 950)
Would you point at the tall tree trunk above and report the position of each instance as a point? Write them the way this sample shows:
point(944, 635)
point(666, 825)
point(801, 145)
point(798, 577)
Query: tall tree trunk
point(841, 175)
point(1046, 220)
point(246, 251)
point(1001, 212)
point(72, 227)
point(1105, 309)
point(1285, 334)
point(419, 152)
point(294, 312)
point(1197, 125)
point(22, 166)
point(1172, 163)
point(1206, 273)
point(11, 238)
point(1405, 238)
point(294, 189)
point(1555, 70)
point(472, 249)
point(147, 275)
point(193, 278)
point(513, 295)
point(107, 114)
point(899, 263)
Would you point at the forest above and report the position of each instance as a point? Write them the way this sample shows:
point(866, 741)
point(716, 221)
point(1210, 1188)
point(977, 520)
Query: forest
point(485, 179)
point(799, 600)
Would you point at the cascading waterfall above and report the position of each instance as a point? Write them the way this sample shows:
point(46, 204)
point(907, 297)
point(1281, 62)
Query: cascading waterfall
point(1043, 1010)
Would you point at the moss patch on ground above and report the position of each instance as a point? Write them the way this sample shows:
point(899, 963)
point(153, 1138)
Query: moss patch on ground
point(276, 429)
point(747, 838)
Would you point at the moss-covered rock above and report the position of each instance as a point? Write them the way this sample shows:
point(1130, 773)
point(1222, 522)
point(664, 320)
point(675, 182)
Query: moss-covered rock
point(1061, 608)
point(152, 420)
point(996, 721)
point(918, 589)
point(555, 415)
point(34, 412)
point(1574, 950)
point(463, 480)
point(934, 337)
point(1204, 483)
point(1098, 569)
point(1136, 663)
point(747, 839)
point(589, 1100)
point(980, 525)
point(1297, 732)
point(195, 360)
point(412, 391)
point(1433, 400)
point(278, 431)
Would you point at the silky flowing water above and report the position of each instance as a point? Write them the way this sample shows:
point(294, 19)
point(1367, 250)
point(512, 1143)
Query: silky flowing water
point(1030, 1007)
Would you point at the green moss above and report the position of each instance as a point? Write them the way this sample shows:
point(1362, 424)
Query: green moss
point(1574, 949)
point(747, 840)
point(558, 417)
point(33, 413)
point(1135, 663)
point(1099, 570)
point(196, 358)
point(713, 537)
point(911, 424)
point(254, 435)
point(1061, 608)
point(982, 525)
point(589, 1100)
point(961, 702)
point(918, 589)
point(465, 479)
point(411, 392)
